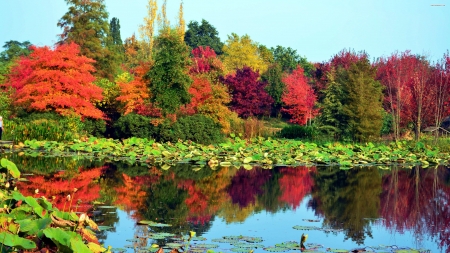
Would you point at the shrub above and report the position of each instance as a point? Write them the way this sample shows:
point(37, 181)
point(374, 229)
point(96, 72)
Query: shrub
point(134, 125)
point(94, 127)
point(43, 126)
point(298, 132)
point(197, 128)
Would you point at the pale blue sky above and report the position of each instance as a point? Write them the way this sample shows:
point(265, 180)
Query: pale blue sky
point(317, 29)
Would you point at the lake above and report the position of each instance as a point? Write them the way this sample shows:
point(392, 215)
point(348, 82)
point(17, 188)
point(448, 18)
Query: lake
point(366, 207)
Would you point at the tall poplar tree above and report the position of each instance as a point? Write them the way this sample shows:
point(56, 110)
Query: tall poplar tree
point(169, 76)
point(86, 24)
point(363, 105)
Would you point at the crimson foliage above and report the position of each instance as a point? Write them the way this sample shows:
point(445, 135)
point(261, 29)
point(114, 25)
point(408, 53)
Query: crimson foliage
point(249, 98)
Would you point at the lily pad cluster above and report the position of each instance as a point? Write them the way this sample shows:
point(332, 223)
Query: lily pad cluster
point(265, 152)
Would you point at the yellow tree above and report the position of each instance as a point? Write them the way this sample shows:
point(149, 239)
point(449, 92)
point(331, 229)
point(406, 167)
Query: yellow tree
point(181, 23)
point(242, 51)
point(147, 30)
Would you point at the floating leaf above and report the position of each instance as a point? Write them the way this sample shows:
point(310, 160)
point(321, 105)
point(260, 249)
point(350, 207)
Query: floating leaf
point(205, 246)
point(244, 250)
point(275, 249)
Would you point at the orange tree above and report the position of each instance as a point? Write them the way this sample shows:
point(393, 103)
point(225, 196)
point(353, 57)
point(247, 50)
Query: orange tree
point(58, 80)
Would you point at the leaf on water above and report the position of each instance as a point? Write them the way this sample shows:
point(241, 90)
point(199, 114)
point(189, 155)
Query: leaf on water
point(223, 240)
point(244, 250)
point(205, 246)
point(276, 249)
point(306, 228)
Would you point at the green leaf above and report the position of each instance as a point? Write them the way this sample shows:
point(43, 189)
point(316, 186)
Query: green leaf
point(11, 167)
point(16, 241)
point(33, 226)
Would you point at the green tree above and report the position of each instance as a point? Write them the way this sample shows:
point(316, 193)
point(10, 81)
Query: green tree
point(169, 76)
point(203, 35)
point(275, 86)
point(13, 50)
point(288, 59)
point(86, 24)
point(332, 120)
point(114, 32)
point(363, 105)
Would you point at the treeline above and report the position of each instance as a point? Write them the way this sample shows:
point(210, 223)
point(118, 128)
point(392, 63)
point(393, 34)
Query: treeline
point(173, 83)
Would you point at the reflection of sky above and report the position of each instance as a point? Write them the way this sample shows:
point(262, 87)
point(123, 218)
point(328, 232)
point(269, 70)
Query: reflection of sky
point(277, 227)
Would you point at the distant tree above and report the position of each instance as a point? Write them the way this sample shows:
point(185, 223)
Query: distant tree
point(114, 31)
point(240, 52)
point(169, 76)
point(275, 86)
point(147, 30)
point(299, 98)
point(363, 103)
point(58, 80)
point(86, 24)
point(14, 49)
point(289, 59)
point(203, 35)
point(249, 97)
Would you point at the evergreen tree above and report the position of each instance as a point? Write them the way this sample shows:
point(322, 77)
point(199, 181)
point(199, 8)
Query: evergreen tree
point(114, 32)
point(332, 119)
point(363, 104)
point(203, 35)
point(275, 86)
point(169, 76)
point(86, 24)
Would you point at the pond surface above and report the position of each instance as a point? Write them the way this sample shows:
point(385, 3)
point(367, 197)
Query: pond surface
point(399, 208)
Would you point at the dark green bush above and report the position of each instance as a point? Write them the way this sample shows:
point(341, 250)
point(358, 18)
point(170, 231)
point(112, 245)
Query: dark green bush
point(134, 125)
point(298, 132)
point(95, 128)
point(197, 128)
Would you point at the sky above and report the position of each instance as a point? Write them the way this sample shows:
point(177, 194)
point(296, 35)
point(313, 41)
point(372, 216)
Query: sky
point(317, 29)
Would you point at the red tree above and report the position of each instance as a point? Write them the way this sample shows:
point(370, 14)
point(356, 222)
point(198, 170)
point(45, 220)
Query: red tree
point(205, 60)
point(394, 73)
point(299, 98)
point(57, 80)
point(201, 91)
point(249, 98)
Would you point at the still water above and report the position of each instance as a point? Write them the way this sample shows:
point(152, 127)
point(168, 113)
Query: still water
point(399, 208)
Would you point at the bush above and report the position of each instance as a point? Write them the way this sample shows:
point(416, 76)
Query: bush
point(93, 127)
point(43, 126)
point(134, 125)
point(298, 132)
point(197, 128)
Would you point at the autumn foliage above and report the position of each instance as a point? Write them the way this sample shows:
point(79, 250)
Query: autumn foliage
point(299, 98)
point(57, 80)
point(249, 97)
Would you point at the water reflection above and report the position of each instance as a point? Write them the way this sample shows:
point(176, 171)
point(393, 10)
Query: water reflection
point(349, 202)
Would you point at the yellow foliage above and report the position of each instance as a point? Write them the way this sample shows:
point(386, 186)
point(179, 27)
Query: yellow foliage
point(147, 30)
point(242, 51)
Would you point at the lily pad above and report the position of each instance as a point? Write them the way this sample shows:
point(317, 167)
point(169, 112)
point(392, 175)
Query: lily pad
point(276, 249)
point(307, 228)
point(223, 240)
point(205, 246)
point(244, 250)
